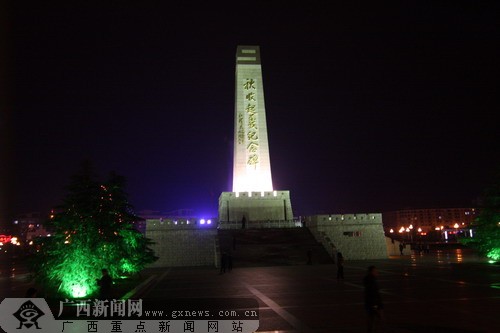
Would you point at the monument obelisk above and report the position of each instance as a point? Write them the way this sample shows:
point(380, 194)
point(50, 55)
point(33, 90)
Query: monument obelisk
point(253, 198)
point(251, 164)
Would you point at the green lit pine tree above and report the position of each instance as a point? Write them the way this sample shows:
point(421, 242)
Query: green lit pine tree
point(93, 229)
point(487, 225)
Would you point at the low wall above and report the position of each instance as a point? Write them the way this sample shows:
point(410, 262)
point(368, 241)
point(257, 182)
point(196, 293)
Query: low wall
point(182, 244)
point(357, 236)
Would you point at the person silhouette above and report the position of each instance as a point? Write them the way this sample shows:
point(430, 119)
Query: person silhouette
point(340, 266)
point(31, 292)
point(105, 283)
point(373, 300)
point(223, 262)
point(229, 262)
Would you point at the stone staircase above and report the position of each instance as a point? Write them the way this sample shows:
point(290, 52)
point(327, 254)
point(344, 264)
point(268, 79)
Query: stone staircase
point(272, 247)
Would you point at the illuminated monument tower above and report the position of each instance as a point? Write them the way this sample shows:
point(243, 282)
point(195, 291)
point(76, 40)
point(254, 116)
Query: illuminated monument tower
point(253, 198)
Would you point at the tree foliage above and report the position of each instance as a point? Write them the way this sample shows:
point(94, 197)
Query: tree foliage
point(487, 225)
point(93, 229)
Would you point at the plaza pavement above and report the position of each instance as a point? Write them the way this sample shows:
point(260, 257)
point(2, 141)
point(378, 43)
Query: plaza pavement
point(443, 291)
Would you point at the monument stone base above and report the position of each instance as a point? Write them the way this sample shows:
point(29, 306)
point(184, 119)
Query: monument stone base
point(255, 209)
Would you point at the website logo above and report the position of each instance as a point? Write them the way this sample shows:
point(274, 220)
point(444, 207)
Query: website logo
point(28, 314)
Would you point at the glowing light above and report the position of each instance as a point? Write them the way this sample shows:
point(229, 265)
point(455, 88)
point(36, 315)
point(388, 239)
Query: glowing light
point(391, 231)
point(275, 193)
point(437, 228)
point(209, 221)
point(78, 291)
point(470, 232)
point(237, 194)
point(411, 226)
point(202, 221)
point(402, 229)
point(441, 228)
point(419, 229)
point(407, 230)
point(456, 226)
point(446, 235)
point(5, 238)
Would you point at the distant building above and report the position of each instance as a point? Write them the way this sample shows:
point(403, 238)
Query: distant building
point(30, 225)
point(428, 219)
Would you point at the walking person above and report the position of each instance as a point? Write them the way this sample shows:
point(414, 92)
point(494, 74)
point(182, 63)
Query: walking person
point(340, 266)
point(401, 247)
point(373, 300)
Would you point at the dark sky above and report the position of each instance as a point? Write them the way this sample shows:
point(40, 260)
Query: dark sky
point(370, 108)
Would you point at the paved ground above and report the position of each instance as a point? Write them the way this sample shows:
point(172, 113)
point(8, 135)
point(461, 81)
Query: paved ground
point(444, 291)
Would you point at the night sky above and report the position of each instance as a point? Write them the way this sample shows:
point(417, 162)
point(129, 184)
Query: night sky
point(370, 108)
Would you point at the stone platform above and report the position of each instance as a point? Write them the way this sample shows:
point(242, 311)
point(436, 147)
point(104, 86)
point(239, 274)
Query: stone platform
point(444, 291)
point(272, 247)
